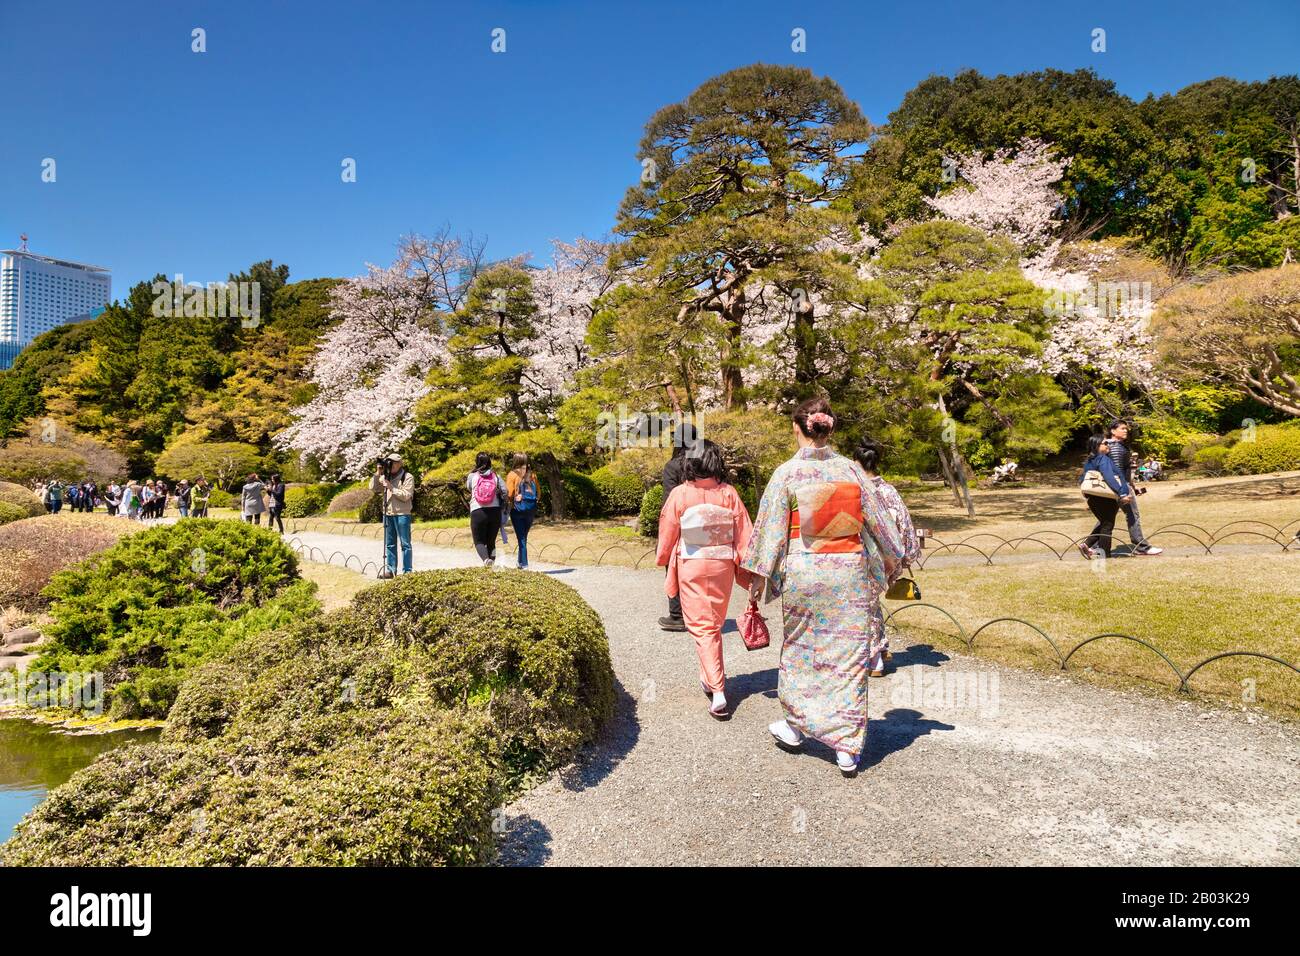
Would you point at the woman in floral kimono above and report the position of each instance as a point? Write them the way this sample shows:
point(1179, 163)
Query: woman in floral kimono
point(703, 530)
point(823, 542)
point(868, 454)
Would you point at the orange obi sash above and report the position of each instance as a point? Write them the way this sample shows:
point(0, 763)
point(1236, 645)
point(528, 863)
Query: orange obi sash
point(826, 517)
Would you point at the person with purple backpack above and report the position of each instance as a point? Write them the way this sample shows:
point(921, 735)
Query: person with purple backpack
point(488, 504)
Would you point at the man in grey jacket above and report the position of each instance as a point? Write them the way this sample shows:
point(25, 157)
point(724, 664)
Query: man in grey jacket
point(398, 487)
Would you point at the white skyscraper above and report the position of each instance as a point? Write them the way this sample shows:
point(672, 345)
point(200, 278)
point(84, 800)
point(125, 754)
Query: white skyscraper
point(38, 293)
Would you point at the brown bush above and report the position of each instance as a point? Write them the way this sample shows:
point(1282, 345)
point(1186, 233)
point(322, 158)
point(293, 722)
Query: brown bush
point(33, 549)
point(349, 500)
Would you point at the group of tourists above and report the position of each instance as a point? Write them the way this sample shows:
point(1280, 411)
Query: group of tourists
point(492, 500)
point(139, 501)
point(829, 539)
point(257, 498)
point(1107, 485)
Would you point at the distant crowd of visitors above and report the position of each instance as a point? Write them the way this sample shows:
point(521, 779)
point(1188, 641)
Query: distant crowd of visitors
point(140, 501)
point(149, 500)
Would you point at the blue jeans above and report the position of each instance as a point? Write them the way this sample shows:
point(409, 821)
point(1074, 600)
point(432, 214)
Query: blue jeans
point(397, 528)
point(522, 521)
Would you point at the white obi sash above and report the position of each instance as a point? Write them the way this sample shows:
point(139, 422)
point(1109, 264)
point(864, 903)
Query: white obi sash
point(708, 531)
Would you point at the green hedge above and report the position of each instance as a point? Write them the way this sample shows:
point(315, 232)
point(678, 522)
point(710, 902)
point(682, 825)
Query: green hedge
point(165, 599)
point(651, 504)
point(1210, 460)
point(620, 494)
point(1275, 448)
point(217, 498)
point(304, 501)
point(384, 733)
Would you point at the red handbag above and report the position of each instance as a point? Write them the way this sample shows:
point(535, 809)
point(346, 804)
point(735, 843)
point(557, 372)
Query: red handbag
point(753, 629)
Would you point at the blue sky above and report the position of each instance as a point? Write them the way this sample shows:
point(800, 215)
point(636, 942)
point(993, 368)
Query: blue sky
point(174, 161)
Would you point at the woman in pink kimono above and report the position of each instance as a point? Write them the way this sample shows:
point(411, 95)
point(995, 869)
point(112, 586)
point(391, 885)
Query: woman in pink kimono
point(823, 543)
point(703, 530)
point(868, 455)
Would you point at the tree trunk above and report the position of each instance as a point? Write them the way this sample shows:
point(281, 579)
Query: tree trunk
point(954, 468)
point(805, 341)
point(554, 483)
point(733, 381)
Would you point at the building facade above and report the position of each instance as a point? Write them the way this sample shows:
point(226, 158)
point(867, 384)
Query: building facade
point(38, 293)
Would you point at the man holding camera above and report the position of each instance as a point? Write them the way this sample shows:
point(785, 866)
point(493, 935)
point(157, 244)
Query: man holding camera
point(398, 487)
point(1116, 440)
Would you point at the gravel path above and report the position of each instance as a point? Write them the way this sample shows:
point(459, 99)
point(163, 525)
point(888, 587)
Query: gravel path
point(1029, 769)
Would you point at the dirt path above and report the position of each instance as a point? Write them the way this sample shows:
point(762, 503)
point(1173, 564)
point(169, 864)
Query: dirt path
point(1029, 769)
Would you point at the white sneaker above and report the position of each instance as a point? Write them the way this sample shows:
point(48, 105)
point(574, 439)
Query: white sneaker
point(718, 709)
point(786, 737)
point(488, 562)
point(1150, 550)
point(847, 763)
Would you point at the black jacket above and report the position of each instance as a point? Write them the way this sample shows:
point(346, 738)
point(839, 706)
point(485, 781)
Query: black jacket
point(674, 475)
point(1122, 458)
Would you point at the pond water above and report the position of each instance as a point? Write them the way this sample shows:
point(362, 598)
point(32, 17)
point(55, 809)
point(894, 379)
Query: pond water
point(34, 759)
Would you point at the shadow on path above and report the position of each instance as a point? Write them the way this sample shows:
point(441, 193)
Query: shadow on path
point(526, 842)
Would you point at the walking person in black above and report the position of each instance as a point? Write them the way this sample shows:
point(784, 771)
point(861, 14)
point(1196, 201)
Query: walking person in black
point(1116, 440)
point(684, 441)
point(1103, 507)
point(275, 491)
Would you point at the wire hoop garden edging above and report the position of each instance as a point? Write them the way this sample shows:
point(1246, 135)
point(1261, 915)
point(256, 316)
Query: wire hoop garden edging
point(1184, 677)
point(1281, 536)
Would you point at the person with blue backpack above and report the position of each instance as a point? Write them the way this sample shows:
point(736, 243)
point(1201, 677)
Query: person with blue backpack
point(521, 491)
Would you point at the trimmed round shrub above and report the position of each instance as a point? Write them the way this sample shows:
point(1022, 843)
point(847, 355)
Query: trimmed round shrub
point(620, 494)
point(1275, 448)
point(523, 647)
point(350, 500)
point(384, 733)
point(145, 610)
point(347, 791)
point(33, 549)
point(651, 504)
point(438, 502)
point(10, 513)
point(22, 499)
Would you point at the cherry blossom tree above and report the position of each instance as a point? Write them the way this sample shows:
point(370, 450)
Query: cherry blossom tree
point(1098, 324)
point(370, 368)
